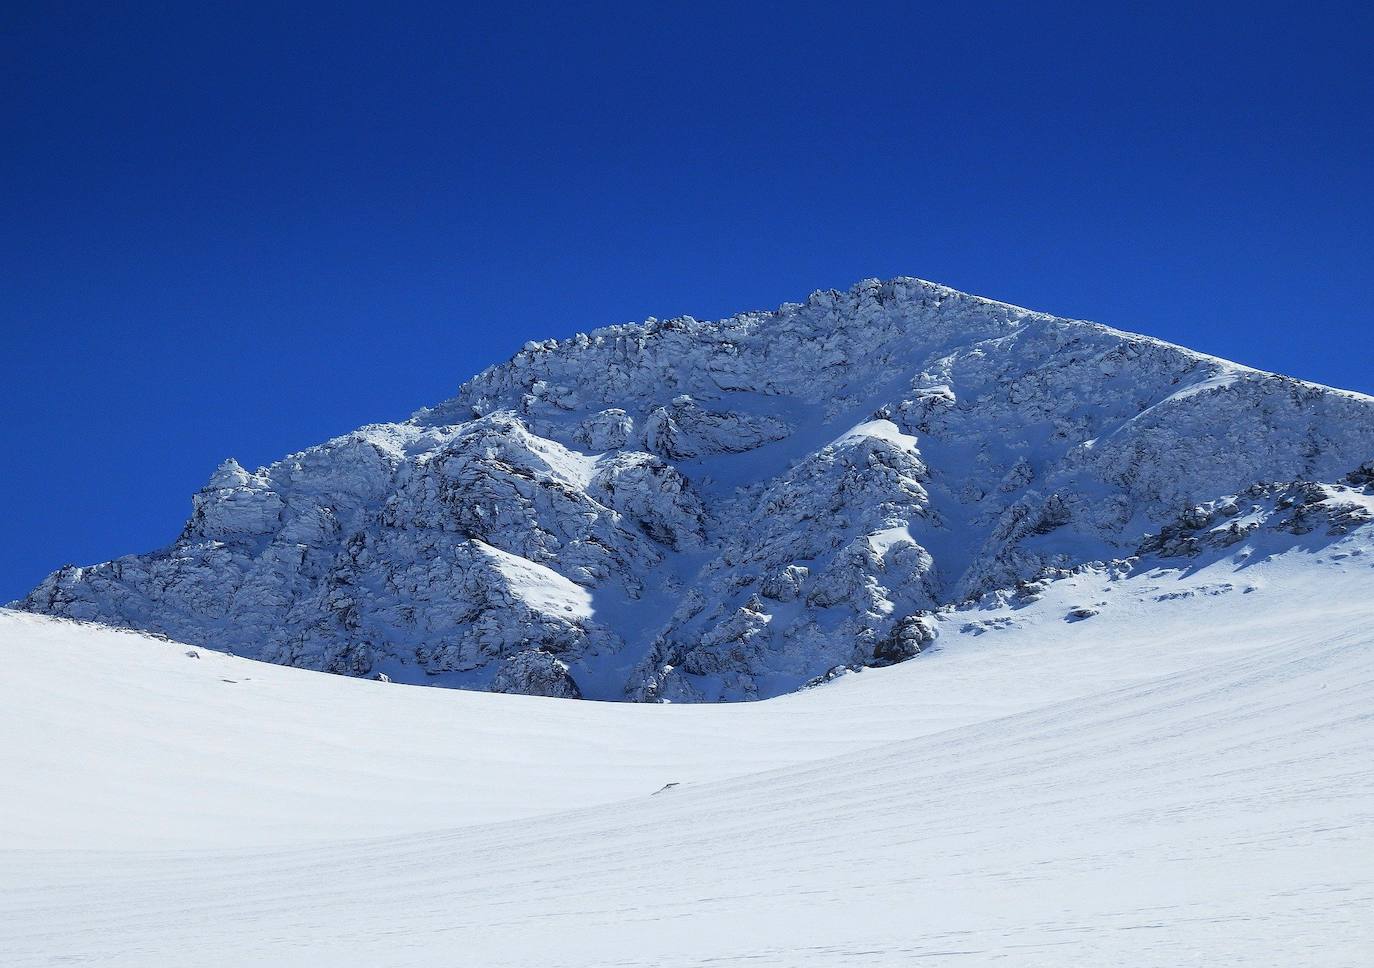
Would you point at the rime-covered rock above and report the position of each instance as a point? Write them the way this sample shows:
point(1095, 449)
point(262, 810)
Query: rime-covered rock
point(535, 673)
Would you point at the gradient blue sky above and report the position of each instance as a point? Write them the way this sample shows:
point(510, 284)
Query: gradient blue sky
point(242, 230)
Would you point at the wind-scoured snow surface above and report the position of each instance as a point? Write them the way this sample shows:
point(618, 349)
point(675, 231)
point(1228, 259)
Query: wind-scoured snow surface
point(683, 510)
point(1157, 763)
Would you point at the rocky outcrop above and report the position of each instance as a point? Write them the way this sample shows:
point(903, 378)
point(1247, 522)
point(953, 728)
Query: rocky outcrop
point(1297, 508)
point(683, 430)
point(535, 673)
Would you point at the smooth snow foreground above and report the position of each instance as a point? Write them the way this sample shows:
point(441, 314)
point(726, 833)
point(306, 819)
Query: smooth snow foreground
point(1184, 778)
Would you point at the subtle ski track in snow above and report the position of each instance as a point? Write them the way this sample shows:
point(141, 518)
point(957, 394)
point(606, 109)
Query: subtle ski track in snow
point(1184, 778)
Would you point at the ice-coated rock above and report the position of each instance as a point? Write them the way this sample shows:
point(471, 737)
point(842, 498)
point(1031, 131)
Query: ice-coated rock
point(685, 510)
point(683, 429)
point(535, 673)
point(605, 430)
point(1297, 508)
point(234, 505)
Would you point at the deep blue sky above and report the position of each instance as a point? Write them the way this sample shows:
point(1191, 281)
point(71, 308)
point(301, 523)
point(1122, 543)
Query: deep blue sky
point(245, 230)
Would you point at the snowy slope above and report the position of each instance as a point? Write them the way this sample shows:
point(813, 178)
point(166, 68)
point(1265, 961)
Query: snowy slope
point(689, 510)
point(1183, 777)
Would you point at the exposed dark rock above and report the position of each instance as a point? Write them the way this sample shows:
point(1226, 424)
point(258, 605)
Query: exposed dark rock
point(535, 673)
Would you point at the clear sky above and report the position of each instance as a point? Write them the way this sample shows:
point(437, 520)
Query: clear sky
point(240, 231)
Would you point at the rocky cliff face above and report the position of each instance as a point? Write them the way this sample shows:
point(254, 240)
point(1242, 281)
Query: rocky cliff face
point(686, 510)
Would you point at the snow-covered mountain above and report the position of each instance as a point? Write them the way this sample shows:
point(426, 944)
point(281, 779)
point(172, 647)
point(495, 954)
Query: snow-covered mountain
point(729, 510)
point(1135, 583)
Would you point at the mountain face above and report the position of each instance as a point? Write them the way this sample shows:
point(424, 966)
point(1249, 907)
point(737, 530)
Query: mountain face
point(683, 510)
